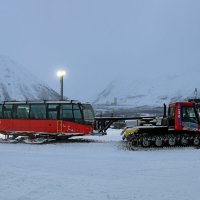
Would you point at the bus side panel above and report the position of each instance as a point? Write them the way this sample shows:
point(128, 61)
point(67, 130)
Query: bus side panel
point(29, 126)
point(72, 127)
point(20, 125)
point(46, 126)
point(6, 125)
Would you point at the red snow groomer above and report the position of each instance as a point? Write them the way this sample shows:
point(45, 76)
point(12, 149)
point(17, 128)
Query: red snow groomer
point(179, 126)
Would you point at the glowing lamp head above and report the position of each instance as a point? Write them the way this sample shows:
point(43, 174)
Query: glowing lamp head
point(61, 73)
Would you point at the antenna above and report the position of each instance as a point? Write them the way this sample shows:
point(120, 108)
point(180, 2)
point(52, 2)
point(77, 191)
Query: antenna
point(195, 93)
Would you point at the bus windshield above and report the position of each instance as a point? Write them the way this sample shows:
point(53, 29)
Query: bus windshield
point(88, 113)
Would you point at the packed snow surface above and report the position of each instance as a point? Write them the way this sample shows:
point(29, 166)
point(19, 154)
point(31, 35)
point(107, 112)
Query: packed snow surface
point(97, 167)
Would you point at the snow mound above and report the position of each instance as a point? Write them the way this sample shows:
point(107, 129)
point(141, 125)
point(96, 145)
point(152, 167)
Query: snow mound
point(17, 83)
point(150, 91)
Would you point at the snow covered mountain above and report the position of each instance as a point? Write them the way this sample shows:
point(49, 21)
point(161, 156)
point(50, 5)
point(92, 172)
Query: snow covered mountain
point(16, 83)
point(151, 91)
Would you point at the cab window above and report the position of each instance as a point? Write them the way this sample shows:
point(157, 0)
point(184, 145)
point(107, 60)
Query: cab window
point(188, 114)
point(171, 114)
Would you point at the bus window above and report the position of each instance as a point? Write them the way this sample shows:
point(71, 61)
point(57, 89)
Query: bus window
point(77, 113)
point(53, 106)
point(38, 111)
point(7, 111)
point(76, 107)
point(67, 106)
point(88, 113)
point(52, 114)
point(66, 112)
point(22, 111)
point(1, 113)
point(53, 111)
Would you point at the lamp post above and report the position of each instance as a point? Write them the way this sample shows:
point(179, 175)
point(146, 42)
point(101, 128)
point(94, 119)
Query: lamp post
point(61, 74)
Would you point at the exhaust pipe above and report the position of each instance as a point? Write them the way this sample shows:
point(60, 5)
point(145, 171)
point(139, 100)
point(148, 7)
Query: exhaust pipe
point(165, 111)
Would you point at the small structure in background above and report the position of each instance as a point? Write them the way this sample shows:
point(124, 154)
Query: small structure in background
point(195, 93)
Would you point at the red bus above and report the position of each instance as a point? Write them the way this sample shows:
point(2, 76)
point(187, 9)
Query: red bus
point(54, 118)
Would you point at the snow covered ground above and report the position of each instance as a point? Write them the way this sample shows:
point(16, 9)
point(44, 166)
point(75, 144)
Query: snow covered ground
point(97, 167)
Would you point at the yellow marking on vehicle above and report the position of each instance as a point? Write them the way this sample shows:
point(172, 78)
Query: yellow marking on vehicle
point(130, 131)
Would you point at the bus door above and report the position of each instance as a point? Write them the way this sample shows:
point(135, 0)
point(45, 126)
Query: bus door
point(53, 115)
point(59, 126)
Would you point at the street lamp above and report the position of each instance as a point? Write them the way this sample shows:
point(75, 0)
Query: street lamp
point(61, 74)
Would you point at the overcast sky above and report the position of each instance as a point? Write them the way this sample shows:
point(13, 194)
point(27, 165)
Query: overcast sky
point(97, 41)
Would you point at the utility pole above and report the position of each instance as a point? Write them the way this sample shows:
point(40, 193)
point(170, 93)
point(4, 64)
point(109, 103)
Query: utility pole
point(61, 74)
